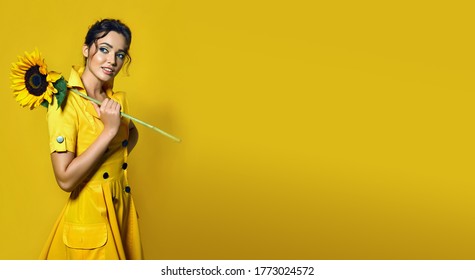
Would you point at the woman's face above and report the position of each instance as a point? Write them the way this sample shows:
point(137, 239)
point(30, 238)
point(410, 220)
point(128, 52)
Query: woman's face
point(106, 57)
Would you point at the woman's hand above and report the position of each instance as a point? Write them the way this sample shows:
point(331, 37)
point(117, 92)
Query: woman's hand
point(109, 112)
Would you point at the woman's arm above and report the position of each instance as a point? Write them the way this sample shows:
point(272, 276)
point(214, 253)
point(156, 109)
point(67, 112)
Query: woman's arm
point(71, 170)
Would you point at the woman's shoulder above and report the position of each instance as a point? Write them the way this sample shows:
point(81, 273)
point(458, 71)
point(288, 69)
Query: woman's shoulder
point(71, 102)
point(119, 93)
point(120, 96)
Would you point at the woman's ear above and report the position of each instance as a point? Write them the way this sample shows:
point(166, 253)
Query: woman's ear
point(85, 51)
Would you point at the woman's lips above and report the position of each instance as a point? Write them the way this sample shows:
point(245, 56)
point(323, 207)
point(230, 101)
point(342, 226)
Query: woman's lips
point(108, 71)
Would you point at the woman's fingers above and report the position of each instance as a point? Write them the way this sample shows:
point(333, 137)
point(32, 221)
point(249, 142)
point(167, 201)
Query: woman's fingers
point(110, 115)
point(110, 106)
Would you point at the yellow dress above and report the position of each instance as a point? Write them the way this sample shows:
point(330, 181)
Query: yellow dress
point(99, 220)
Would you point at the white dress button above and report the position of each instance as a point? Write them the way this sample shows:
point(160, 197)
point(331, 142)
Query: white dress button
point(60, 139)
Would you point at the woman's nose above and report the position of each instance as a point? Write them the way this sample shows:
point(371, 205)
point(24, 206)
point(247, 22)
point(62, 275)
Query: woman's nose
point(112, 59)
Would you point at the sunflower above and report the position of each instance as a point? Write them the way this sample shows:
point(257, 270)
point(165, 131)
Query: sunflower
point(32, 84)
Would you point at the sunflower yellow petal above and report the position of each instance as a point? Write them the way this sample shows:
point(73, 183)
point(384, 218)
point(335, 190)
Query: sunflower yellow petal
point(22, 60)
point(35, 59)
point(35, 103)
point(18, 86)
point(15, 69)
point(24, 101)
point(14, 75)
point(18, 69)
point(38, 102)
point(43, 69)
point(51, 89)
point(29, 101)
point(28, 59)
point(21, 94)
point(40, 61)
point(18, 81)
point(25, 65)
point(17, 74)
point(53, 76)
point(36, 54)
point(48, 98)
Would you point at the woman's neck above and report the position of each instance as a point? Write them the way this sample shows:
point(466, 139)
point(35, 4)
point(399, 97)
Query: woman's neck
point(93, 86)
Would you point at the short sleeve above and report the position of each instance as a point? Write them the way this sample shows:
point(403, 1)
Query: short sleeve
point(62, 127)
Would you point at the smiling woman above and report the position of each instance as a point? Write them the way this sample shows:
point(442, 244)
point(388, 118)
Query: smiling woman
point(89, 146)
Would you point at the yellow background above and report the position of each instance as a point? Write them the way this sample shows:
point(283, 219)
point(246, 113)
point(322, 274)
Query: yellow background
point(311, 129)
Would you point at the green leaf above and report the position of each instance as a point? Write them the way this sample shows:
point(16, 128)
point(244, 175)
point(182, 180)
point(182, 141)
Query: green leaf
point(62, 86)
point(45, 104)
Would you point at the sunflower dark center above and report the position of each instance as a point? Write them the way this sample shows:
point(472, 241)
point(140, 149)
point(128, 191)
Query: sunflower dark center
point(35, 82)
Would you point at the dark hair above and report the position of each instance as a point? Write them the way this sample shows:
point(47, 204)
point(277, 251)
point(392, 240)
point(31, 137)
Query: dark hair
point(101, 28)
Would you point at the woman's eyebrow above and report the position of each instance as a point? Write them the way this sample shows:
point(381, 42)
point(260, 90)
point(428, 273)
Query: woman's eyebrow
point(107, 44)
point(110, 46)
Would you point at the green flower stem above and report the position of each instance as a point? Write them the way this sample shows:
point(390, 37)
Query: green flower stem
point(129, 116)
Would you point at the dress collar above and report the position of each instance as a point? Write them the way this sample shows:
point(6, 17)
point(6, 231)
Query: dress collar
point(76, 82)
